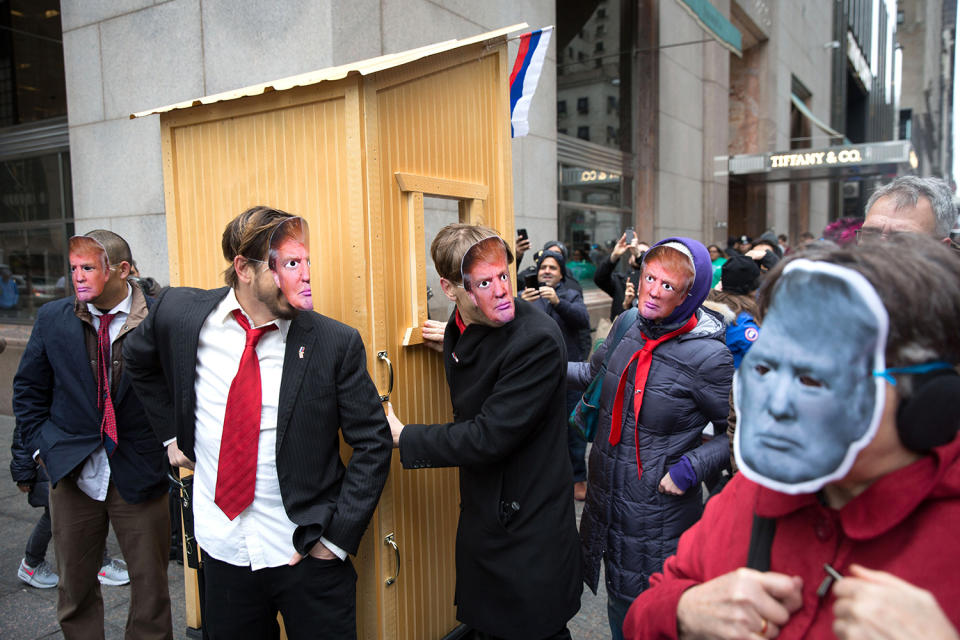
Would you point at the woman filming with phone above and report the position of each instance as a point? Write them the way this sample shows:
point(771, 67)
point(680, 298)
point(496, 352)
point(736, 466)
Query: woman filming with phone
point(614, 281)
point(549, 291)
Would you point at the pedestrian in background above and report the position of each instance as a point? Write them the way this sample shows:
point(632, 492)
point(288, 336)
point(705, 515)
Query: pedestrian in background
point(613, 281)
point(565, 307)
point(580, 266)
point(736, 303)
point(31, 479)
point(911, 204)
point(75, 408)
point(717, 258)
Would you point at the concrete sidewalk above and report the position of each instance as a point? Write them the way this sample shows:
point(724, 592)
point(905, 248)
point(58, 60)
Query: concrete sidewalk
point(27, 613)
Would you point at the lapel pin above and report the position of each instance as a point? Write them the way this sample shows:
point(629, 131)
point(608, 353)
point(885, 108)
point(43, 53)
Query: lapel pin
point(300, 353)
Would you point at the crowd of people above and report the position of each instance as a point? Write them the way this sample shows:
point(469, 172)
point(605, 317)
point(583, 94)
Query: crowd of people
point(774, 444)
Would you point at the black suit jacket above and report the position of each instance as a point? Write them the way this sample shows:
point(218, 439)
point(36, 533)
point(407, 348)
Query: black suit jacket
point(55, 401)
point(325, 391)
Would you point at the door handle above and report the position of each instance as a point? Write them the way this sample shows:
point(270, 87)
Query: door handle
point(383, 356)
point(390, 541)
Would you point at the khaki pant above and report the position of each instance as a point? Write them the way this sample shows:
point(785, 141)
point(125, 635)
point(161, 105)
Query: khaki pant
point(79, 535)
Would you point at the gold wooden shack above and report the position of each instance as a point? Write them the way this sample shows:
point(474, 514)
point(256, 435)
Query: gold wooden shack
point(375, 155)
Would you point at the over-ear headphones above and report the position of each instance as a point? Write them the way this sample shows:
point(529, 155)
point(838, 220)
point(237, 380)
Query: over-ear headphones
point(927, 418)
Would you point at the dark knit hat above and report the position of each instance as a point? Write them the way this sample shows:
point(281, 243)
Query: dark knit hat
point(555, 245)
point(556, 255)
point(739, 274)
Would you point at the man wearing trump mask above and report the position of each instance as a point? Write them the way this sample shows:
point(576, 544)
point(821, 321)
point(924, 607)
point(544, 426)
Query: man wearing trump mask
point(518, 562)
point(75, 407)
point(251, 388)
point(841, 521)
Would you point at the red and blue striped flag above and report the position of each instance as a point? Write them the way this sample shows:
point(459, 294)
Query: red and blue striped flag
point(524, 78)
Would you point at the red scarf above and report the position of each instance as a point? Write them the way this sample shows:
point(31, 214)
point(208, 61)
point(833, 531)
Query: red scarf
point(644, 358)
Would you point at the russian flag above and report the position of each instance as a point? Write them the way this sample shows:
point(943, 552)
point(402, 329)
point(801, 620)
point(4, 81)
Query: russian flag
point(525, 76)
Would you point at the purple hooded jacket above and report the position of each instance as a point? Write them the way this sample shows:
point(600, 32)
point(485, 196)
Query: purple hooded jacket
point(627, 524)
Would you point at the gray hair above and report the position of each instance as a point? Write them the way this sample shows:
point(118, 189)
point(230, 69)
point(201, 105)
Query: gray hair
point(907, 191)
point(920, 290)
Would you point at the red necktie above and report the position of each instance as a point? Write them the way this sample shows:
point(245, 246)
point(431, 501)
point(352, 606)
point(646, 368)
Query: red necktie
point(644, 358)
point(108, 424)
point(237, 468)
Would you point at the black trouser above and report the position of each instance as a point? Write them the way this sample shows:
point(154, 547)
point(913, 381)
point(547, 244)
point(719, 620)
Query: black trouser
point(317, 599)
point(563, 634)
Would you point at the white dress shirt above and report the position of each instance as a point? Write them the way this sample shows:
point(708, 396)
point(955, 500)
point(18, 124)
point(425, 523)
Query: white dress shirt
point(94, 478)
point(262, 535)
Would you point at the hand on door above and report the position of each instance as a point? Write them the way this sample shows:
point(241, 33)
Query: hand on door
point(432, 332)
point(395, 425)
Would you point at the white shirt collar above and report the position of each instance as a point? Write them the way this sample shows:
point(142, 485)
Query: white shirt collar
point(123, 307)
point(224, 314)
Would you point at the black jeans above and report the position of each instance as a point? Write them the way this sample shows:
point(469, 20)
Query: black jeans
point(36, 551)
point(317, 599)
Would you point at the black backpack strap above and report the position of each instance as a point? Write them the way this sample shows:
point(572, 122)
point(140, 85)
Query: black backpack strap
point(761, 543)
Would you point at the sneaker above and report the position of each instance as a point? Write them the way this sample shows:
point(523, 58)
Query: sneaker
point(114, 573)
point(40, 576)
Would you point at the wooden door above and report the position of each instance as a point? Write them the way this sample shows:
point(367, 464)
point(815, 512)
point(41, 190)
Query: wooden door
point(434, 130)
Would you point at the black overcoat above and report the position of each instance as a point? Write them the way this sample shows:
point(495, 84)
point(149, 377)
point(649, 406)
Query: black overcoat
point(518, 558)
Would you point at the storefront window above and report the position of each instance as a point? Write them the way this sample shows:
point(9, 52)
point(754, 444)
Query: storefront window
point(594, 210)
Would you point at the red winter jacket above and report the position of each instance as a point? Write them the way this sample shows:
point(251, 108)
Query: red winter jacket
point(905, 524)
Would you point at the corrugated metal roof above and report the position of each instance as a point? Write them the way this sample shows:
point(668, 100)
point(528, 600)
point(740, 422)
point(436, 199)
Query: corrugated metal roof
point(363, 67)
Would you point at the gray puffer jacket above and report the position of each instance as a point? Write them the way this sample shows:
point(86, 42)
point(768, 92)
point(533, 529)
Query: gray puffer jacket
point(626, 521)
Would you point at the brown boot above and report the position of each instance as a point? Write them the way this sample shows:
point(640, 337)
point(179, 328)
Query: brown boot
point(580, 491)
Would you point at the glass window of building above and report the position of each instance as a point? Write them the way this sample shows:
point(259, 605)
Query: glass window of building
point(595, 167)
point(36, 208)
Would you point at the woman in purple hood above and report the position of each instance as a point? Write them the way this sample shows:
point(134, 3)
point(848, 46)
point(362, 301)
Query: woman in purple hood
point(667, 378)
